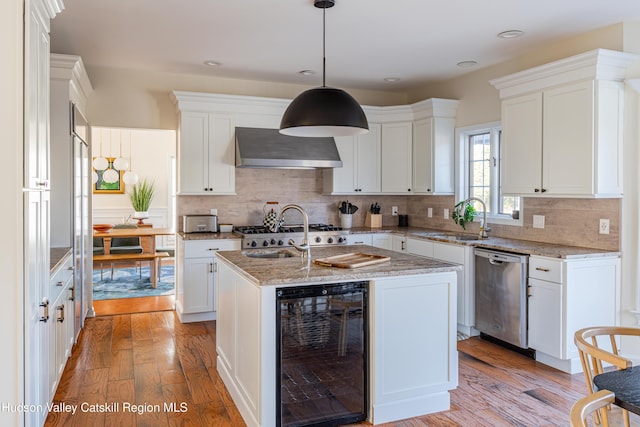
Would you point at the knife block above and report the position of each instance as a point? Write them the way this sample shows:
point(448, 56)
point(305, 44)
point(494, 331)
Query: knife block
point(373, 220)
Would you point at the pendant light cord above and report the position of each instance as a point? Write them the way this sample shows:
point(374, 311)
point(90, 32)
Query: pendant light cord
point(324, 41)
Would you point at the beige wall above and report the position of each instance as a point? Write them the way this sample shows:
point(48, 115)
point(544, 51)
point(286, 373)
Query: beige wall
point(140, 99)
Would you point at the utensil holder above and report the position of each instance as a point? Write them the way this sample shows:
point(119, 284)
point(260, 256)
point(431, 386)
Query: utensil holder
point(346, 220)
point(373, 220)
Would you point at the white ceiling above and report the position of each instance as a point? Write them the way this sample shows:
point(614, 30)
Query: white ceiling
point(418, 41)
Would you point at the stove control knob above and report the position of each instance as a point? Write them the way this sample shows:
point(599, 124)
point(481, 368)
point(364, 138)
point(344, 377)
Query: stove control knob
point(318, 239)
point(280, 242)
point(273, 241)
point(341, 239)
point(254, 244)
point(330, 240)
point(265, 243)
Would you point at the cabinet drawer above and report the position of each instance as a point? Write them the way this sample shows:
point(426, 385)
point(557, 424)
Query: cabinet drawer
point(207, 248)
point(62, 274)
point(545, 269)
point(420, 247)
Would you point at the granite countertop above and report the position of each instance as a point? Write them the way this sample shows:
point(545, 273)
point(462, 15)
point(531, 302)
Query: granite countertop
point(57, 256)
point(526, 247)
point(294, 270)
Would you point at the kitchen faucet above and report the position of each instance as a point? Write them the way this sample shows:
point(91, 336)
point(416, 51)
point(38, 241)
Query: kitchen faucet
point(484, 227)
point(304, 247)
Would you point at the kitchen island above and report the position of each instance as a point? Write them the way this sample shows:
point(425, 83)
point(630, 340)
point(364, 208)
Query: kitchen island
point(412, 357)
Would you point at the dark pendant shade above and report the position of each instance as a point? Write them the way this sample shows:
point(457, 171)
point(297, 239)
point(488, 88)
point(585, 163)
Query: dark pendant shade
point(324, 111)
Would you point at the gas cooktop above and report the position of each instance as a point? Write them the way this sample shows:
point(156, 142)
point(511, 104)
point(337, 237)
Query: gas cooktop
point(257, 236)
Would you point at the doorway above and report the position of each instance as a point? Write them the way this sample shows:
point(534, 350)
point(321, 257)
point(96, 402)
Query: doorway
point(148, 154)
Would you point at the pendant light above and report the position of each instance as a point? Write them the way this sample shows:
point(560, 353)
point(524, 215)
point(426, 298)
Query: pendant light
point(100, 163)
point(121, 163)
point(324, 111)
point(130, 177)
point(110, 175)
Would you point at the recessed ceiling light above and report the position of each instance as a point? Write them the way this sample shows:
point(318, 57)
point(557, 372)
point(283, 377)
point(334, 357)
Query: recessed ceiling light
point(391, 79)
point(212, 63)
point(307, 72)
point(510, 34)
point(467, 64)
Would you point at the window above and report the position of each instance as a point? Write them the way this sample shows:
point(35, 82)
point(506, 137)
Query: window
point(480, 173)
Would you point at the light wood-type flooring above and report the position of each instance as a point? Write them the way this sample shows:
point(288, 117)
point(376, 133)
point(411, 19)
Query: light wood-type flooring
point(152, 359)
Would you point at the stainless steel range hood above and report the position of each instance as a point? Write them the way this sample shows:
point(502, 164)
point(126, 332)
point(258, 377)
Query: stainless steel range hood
point(268, 148)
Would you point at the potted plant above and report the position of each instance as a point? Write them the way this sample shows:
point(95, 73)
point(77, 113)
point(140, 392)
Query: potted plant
point(463, 213)
point(141, 195)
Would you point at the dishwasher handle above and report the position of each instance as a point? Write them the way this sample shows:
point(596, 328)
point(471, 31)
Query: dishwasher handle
point(497, 258)
point(495, 261)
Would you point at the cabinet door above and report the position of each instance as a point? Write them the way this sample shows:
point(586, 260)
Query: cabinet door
point(422, 180)
point(465, 290)
point(368, 160)
point(545, 317)
point(344, 179)
point(222, 164)
point(568, 140)
point(360, 239)
point(420, 247)
point(396, 157)
point(382, 241)
point(522, 145)
point(225, 308)
point(198, 286)
point(398, 243)
point(193, 149)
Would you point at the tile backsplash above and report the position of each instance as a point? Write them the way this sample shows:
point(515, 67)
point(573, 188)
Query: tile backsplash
point(567, 221)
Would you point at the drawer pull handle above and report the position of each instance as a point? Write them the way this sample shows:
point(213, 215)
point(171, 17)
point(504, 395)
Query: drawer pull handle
point(213, 249)
point(546, 270)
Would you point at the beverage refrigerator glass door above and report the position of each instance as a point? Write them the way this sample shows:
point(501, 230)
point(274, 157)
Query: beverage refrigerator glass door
point(322, 354)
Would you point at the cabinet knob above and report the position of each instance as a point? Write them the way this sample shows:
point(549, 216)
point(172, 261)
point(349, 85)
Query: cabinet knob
point(428, 190)
point(536, 190)
point(408, 189)
point(543, 190)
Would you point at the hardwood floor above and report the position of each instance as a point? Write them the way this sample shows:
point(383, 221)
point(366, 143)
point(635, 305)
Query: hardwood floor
point(133, 305)
point(151, 359)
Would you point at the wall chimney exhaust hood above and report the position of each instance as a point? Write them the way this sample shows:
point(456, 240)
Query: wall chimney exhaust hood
point(268, 148)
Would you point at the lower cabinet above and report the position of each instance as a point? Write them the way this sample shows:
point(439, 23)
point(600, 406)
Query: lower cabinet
point(382, 240)
point(456, 254)
point(566, 295)
point(61, 322)
point(195, 277)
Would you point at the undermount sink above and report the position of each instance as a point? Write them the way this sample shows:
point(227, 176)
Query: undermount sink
point(461, 237)
point(467, 237)
point(270, 254)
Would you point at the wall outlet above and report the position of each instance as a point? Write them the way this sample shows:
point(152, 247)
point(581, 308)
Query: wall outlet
point(538, 221)
point(446, 213)
point(214, 212)
point(429, 212)
point(394, 210)
point(604, 226)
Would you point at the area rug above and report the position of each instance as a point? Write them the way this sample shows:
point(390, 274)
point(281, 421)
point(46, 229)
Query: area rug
point(127, 283)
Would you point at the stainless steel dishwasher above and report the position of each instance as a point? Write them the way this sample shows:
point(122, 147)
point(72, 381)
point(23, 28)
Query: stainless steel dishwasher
point(501, 295)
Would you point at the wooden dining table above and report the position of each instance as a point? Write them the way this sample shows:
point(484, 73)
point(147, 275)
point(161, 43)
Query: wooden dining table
point(147, 237)
point(143, 232)
point(625, 385)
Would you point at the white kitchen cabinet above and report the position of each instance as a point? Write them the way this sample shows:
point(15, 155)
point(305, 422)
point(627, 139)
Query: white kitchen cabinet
point(382, 240)
point(360, 239)
point(456, 254)
point(433, 156)
point(360, 171)
point(398, 242)
point(61, 321)
point(206, 154)
point(566, 295)
point(195, 277)
point(396, 159)
point(565, 113)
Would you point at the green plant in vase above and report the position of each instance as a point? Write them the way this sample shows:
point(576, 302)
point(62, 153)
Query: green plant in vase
point(141, 195)
point(463, 213)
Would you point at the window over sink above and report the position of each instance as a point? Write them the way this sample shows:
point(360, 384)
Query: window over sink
point(479, 173)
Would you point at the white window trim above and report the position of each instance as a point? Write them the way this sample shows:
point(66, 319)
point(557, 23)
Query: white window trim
point(462, 171)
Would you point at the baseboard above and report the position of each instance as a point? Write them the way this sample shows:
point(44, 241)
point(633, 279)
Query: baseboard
point(409, 408)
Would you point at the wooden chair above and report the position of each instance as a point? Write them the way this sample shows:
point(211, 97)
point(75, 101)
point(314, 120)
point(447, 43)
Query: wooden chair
point(597, 402)
point(98, 249)
point(593, 354)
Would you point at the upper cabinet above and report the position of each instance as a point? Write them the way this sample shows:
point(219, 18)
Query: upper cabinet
point(433, 146)
point(206, 144)
point(562, 127)
point(360, 171)
point(409, 150)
